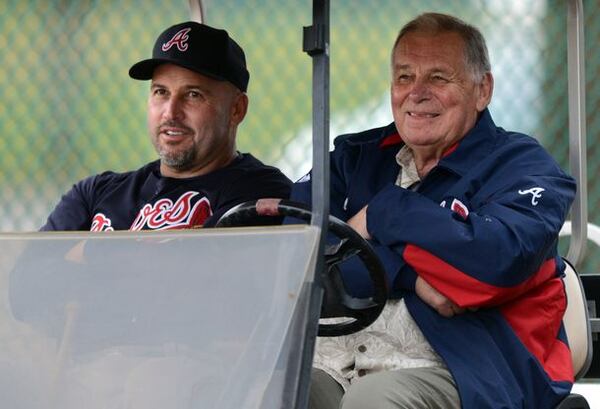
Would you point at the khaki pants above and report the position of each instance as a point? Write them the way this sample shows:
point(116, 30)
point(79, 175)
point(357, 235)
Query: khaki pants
point(416, 388)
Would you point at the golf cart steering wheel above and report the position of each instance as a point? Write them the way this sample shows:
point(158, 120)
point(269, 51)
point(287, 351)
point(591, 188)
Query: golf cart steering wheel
point(359, 312)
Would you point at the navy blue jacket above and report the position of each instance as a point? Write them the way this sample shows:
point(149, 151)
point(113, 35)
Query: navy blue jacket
point(481, 228)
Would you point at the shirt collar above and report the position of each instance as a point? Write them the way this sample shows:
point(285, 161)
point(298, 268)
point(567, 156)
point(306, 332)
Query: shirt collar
point(408, 174)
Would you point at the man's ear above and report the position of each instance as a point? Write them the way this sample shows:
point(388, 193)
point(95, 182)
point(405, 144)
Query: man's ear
point(239, 108)
point(486, 89)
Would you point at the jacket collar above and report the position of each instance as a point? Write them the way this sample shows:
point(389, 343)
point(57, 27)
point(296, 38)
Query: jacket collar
point(390, 139)
point(464, 154)
point(473, 147)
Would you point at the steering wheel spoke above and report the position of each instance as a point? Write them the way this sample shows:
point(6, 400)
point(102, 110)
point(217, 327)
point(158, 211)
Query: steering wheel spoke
point(337, 253)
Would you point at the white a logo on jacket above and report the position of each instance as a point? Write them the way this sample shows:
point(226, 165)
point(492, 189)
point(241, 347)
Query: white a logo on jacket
point(535, 192)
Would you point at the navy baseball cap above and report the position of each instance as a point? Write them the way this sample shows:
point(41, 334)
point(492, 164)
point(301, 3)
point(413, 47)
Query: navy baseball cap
point(200, 48)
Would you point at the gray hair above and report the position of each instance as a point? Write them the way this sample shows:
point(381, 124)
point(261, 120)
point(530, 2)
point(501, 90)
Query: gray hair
point(476, 53)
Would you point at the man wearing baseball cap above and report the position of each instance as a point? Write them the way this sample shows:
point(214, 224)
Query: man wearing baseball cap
point(198, 83)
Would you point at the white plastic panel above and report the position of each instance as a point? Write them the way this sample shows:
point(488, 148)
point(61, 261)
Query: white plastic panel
point(193, 319)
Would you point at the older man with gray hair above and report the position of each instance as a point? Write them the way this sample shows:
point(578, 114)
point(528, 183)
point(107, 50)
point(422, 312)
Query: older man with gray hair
point(465, 217)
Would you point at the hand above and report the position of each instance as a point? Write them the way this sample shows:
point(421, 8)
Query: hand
point(436, 300)
point(267, 207)
point(359, 223)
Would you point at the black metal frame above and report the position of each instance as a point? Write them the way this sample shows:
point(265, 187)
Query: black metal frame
point(316, 45)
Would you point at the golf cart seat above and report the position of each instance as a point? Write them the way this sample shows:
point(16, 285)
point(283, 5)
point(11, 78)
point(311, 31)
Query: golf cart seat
point(578, 330)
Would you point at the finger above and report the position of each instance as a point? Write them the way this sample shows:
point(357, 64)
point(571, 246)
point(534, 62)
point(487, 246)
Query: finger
point(449, 309)
point(445, 311)
point(457, 310)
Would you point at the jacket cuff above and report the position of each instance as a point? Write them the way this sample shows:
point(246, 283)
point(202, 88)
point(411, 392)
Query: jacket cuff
point(392, 263)
point(407, 279)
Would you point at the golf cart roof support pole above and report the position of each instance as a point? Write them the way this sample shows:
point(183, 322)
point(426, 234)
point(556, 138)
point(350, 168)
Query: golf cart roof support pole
point(316, 45)
point(577, 129)
point(196, 11)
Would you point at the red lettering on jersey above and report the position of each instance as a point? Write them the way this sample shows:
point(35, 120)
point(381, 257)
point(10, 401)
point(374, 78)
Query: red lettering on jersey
point(165, 215)
point(101, 223)
point(179, 39)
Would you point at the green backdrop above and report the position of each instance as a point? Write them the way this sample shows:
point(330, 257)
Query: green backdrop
point(68, 108)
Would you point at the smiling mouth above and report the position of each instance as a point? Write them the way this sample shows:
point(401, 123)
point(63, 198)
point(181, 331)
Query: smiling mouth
point(174, 133)
point(173, 129)
point(422, 115)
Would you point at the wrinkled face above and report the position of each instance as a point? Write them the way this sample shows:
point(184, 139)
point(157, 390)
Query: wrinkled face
point(192, 119)
point(435, 98)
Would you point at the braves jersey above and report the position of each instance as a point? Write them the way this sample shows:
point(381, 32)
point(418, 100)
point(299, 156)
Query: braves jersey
point(145, 200)
point(482, 228)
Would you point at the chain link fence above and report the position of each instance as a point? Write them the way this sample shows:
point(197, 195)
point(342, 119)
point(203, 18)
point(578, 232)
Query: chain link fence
point(68, 108)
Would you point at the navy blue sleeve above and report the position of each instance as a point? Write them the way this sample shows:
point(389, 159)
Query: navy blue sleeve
point(499, 250)
point(73, 211)
point(353, 272)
